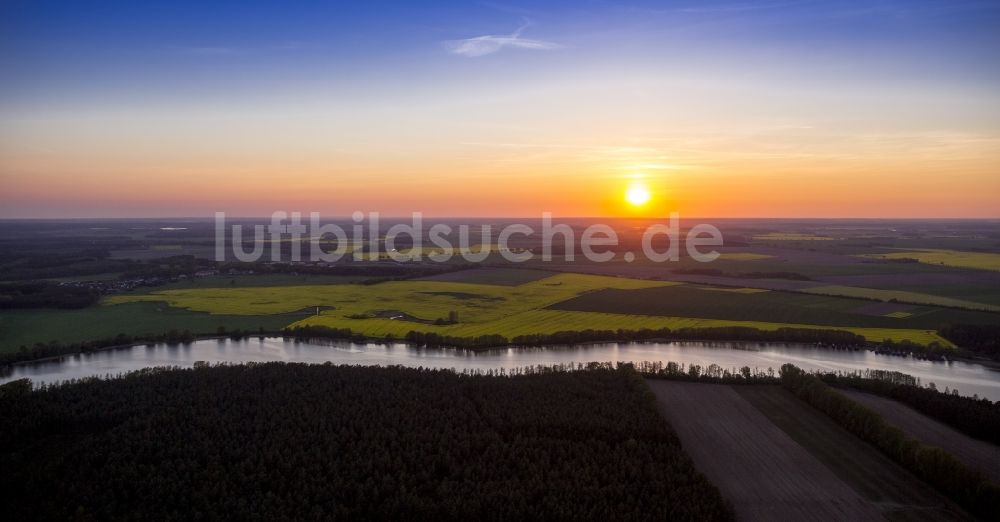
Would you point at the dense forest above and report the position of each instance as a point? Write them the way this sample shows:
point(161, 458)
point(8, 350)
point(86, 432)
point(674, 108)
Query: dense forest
point(982, 339)
point(291, 442)
point(45, 295)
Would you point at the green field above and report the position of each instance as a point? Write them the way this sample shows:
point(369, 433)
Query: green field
point(27, 327)
point(510, 310)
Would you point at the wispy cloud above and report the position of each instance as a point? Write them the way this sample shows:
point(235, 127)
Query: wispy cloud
point(489, 44)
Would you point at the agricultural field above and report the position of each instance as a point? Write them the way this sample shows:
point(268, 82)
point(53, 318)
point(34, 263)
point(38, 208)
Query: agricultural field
point(825, 273)
point(27, 327)
point(771, 274)
point(491, 276)
point(898, 295)
point(744, 256)
point(774, 457)
point(704, 302)
point(549, 321)
point(761, 471)
point(977, 454)
point(833, 271)
point(425, 300)
point(897, 493)
point(791, 236)
point(398, 307)
point(951, 264)
point(974, 286)
point(262, 280)
point(976, 260)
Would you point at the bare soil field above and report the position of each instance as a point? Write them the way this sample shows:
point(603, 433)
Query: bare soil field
point(776, 458)
point(975, 453)
point(896, 492)
point(759, 469)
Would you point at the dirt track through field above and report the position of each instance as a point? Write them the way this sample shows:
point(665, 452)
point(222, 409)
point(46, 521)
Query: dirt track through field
point(977, 454)
point(759, 468)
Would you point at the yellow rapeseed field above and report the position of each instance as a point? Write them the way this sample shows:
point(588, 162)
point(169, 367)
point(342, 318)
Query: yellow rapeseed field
point(481, 308)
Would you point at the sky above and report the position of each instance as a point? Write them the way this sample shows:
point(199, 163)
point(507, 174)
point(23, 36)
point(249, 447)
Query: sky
point(717, 108)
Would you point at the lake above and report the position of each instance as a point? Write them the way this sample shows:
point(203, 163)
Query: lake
point(968, 378)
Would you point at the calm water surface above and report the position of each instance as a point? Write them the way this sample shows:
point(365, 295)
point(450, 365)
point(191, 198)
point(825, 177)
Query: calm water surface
point(967, 377)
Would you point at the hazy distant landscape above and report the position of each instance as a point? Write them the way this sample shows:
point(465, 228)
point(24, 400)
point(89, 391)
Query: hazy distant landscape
point(146, 279)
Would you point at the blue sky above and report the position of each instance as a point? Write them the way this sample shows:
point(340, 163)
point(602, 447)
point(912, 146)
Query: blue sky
point(101, 48)
point(719, 91)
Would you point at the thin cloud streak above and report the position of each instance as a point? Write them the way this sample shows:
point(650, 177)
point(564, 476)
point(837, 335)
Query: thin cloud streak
point(489, 44)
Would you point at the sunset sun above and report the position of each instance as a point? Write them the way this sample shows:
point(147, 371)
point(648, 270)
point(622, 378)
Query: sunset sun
point(637, 195)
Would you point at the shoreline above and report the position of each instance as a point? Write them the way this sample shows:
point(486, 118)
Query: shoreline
point(987, 363)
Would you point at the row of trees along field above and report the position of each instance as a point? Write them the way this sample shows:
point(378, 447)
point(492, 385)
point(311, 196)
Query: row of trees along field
point(295, 442)
point(976, 417)
point(57, 349)
point(829, 338)
point(967, 487)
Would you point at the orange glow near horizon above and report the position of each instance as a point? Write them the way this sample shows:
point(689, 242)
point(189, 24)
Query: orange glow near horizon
point(755, 189)
point(146, 166)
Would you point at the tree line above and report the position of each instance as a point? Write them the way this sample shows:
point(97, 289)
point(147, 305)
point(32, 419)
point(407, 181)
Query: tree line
point(974, 416)
point(57, 349)
point(827, 338)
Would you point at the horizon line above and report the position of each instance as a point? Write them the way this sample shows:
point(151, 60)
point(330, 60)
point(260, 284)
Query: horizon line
point(387, 216)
